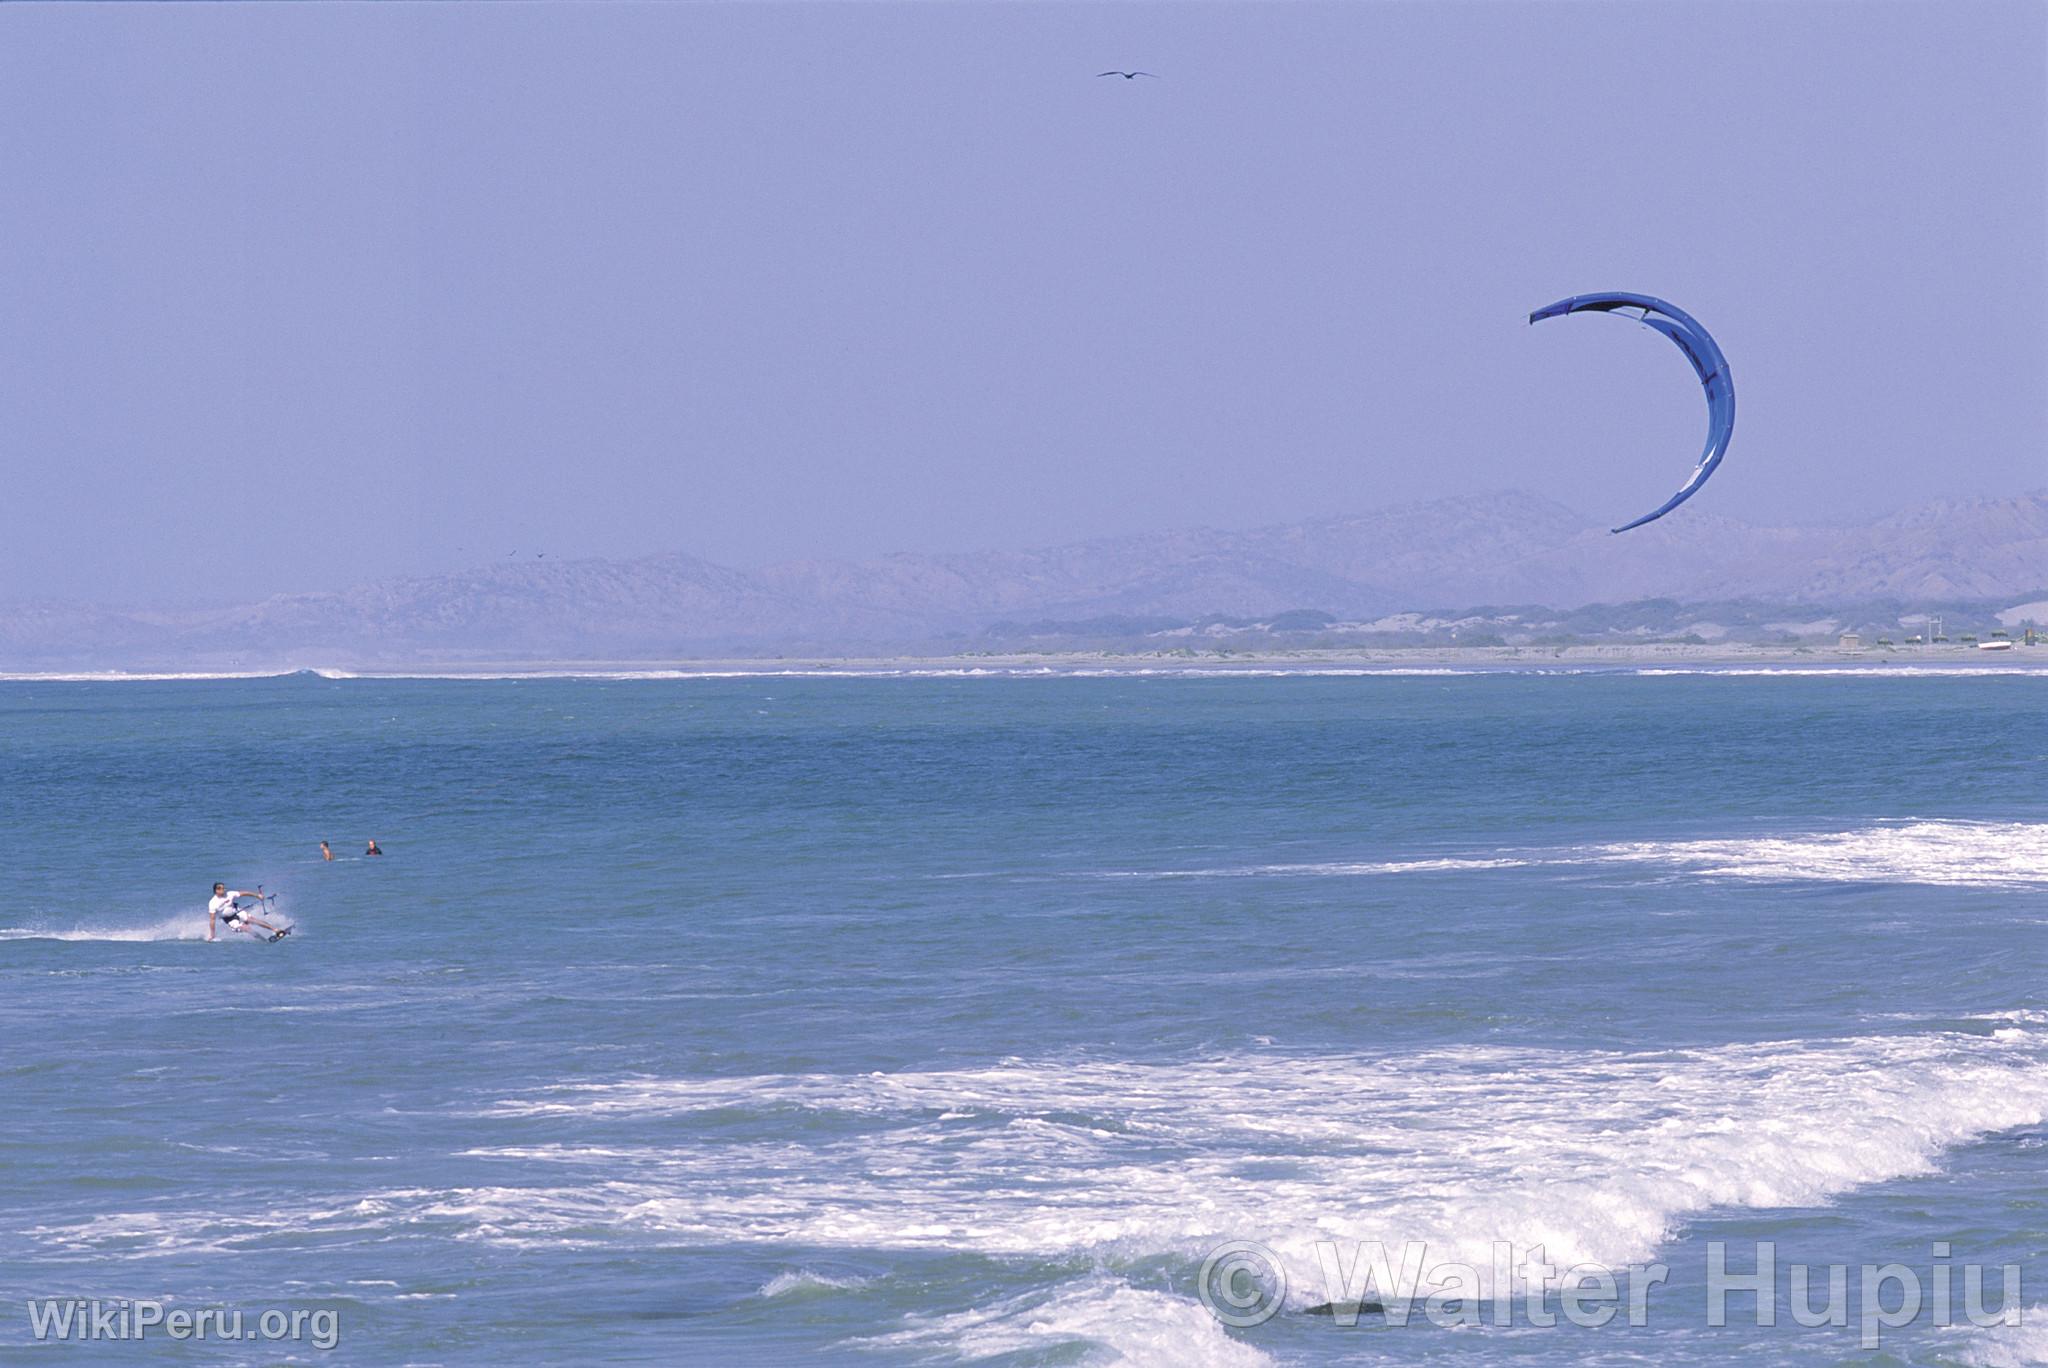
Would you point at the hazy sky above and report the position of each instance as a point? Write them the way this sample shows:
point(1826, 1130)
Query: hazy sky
point(293, 296)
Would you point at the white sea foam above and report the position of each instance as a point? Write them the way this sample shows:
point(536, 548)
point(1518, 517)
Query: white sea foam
point(1124, 1324)
point(1597, 1155)
point(851, 670)
point(2004, 1346)
point(1995, 854)
point(1849, 670)
point(857, 671)
point(1946, 852)
point(127, 677)
point(1328, 867)
point(183, 927)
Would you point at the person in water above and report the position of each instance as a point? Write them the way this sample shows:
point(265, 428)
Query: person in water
point(325, 853)
point(222, 906)
point(374, 848)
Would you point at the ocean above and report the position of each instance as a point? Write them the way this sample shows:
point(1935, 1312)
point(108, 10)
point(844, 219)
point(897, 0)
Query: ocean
point(1023, 1019)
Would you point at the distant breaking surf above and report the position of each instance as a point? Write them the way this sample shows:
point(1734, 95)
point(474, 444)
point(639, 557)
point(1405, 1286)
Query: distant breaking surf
point(1909, 851)
point(1091, 670)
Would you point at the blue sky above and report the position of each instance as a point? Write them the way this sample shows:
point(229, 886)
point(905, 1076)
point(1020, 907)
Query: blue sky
point(297, 296)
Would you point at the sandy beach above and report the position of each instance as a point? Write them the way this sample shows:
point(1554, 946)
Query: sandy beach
point(1647, 656)
point(1652, 655)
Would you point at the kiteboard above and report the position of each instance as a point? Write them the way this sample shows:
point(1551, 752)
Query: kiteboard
point(263, 902)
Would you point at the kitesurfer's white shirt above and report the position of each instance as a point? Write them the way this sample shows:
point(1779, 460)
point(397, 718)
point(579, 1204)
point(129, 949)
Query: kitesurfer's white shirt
point(222, 905)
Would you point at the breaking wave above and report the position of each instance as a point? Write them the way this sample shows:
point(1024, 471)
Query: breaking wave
point(1945, 852)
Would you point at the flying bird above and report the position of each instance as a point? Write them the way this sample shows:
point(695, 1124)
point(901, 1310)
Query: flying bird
point(1127, 75)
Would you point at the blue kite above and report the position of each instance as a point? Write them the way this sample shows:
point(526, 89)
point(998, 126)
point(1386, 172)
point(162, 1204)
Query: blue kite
point(1699, 348)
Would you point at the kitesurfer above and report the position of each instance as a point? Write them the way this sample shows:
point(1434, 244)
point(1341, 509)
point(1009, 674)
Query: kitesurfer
point(223, 906)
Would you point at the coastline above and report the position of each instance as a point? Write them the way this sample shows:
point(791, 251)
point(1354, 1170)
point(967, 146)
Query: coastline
point(1645, 657)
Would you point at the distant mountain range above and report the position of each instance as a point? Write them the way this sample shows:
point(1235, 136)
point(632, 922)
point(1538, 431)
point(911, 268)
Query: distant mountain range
point(1498, 549)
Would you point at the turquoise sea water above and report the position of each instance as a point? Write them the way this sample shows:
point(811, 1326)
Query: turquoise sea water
point(776, 1019)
